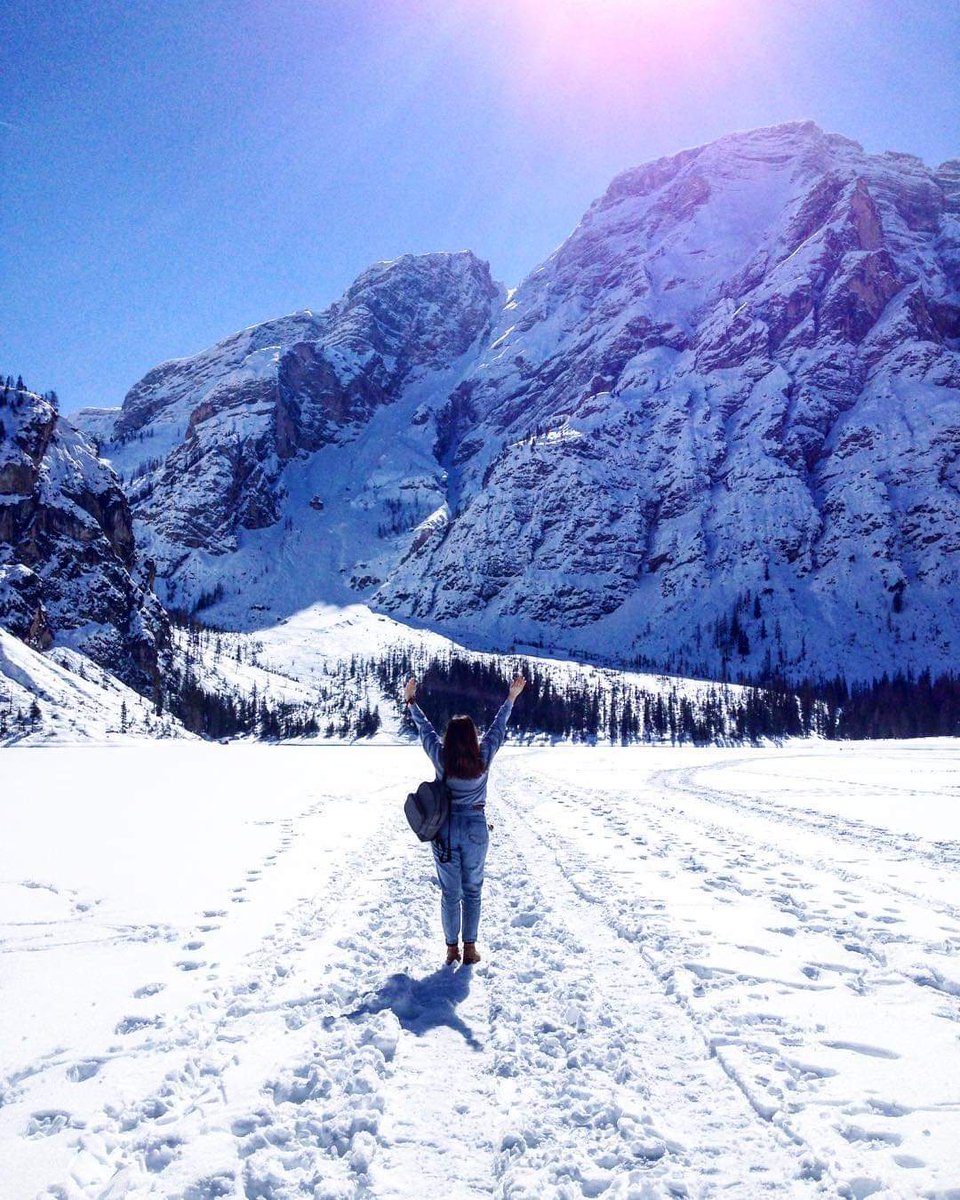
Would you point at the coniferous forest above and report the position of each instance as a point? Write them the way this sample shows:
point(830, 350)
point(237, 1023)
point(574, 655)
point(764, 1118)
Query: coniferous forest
point(563, 704)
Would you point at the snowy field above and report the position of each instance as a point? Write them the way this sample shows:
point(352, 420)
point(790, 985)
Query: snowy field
point(706, 973)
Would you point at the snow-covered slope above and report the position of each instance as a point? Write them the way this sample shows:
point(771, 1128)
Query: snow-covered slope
point(61, 696)
point(718, 430)
point(340, 661)
point(69, 572)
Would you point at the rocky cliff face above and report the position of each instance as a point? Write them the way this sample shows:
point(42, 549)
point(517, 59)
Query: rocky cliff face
point(68, 564)
point(211, 446)
point(717, 430)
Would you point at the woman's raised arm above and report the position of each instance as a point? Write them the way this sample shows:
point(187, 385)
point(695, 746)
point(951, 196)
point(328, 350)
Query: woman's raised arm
point(494, 738)
point(428, 735)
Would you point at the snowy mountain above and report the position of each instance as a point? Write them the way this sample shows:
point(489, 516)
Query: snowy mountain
point(324, 422)
point(718, 430)
point(727, 405)
point(69, 572)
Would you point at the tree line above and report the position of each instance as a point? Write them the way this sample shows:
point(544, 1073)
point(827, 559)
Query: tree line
point(563, 703)
point(592, 706)
point(208, 688)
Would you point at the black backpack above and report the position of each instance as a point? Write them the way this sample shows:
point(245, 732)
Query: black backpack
point(428, 810)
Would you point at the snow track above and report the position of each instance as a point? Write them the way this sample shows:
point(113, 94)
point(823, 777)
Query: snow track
point(686, 990)
point(257, 1037)
point(818, 983)
point(895, 846)
point(614, 1095)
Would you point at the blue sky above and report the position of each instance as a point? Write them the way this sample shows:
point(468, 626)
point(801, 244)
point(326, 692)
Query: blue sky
point(174, 171)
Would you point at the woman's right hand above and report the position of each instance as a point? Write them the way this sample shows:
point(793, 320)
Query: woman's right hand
point(410, 691)
point(519, 683)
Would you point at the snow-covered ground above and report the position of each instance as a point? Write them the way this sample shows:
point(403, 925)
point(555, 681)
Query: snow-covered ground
point(705, 972)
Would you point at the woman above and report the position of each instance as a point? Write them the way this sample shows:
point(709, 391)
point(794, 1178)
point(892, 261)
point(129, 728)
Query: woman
point(465, 761)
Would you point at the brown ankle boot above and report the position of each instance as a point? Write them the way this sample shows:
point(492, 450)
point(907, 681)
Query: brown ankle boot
point(470, 954)
point(453, 953)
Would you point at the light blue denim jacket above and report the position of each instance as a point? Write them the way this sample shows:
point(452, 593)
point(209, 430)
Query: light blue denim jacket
point(464, 793)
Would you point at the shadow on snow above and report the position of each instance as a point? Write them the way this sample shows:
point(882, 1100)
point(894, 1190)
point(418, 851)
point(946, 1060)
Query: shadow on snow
point(423, 1004)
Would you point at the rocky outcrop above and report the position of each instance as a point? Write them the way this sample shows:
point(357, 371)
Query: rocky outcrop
point(205, 443)
point(68, 563)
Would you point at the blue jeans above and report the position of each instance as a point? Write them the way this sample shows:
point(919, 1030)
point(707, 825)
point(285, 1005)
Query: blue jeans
point(461, 879)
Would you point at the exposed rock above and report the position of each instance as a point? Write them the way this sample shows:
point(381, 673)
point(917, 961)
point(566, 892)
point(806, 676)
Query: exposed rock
point(230, 421)
point(67, 556)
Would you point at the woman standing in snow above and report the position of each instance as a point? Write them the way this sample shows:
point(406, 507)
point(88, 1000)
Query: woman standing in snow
point(464, 760)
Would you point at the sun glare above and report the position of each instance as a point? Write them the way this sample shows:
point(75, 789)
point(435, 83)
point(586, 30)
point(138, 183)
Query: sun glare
point(592, 54)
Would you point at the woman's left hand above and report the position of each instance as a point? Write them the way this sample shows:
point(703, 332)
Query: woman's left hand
point(410, 691)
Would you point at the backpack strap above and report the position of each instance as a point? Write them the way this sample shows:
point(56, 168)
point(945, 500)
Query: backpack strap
point(444, 849)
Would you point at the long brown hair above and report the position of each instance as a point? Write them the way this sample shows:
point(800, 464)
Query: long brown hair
point(461, 749)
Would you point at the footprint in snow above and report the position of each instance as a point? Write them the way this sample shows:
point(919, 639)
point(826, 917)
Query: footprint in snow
point(215, 912)
point(148, 989)
point(854, 1133)
point(862, 1048)
point(135, 1024)
point(190, 964)
point(159, 1153)
point(192, 945)
point(525, 920)
point(307, 1082)
point(50, 1121)
point(889, 1108)
point(212, 1187)
point(151, 1109)
point(244, 1126)
point(80, 1072)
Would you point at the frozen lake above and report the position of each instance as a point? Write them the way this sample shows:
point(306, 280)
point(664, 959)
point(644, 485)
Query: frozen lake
point(705, 972)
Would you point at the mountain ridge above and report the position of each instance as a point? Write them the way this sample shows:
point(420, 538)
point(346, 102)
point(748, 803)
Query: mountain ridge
point(716, 431)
